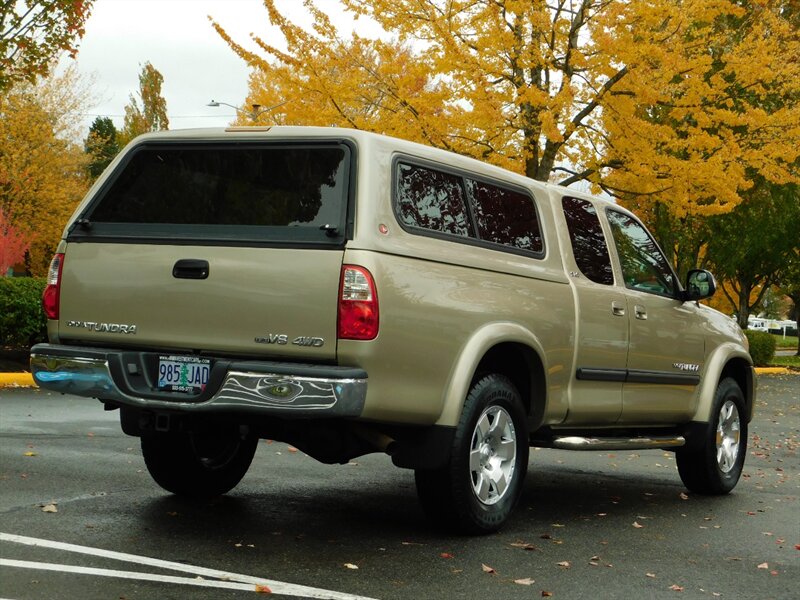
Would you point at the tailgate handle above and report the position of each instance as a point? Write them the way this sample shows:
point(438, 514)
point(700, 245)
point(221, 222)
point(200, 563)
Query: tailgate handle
point(190, 268)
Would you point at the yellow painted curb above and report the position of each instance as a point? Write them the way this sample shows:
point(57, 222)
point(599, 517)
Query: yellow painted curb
point(773, 371)
point(16, 380)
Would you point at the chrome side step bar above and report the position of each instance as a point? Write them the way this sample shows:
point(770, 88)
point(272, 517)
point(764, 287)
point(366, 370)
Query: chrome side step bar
point(642, 443)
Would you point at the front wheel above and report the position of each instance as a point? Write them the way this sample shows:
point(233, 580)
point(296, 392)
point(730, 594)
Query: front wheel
point(713, 466)
point(482, 482)
point(199, 465)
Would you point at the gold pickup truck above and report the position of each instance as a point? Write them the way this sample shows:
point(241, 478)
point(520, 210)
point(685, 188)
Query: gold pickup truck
point(350, 293)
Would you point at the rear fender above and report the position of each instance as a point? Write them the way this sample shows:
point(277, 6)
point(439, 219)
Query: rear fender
point(470, 356)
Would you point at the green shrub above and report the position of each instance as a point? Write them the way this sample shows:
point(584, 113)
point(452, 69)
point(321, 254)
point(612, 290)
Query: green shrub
point(22, 321)
point(762, 347)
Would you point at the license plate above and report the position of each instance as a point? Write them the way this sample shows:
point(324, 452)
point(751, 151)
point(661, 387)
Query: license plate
point(183, 373)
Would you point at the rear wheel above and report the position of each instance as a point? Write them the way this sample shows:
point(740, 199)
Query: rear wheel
point(713, 466)
point(482, 482)
point(199, 465)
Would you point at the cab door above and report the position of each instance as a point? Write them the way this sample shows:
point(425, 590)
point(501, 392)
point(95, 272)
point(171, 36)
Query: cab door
point(601, 346)
point(666, 344)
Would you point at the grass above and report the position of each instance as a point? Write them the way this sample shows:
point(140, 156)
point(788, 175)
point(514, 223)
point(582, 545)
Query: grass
point(786, 361)
point(785, 343)
point(788, 342)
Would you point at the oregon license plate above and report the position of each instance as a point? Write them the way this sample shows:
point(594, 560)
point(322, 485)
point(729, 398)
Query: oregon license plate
point(183, 373)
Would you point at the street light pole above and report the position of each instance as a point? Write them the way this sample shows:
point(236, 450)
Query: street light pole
point(255, 112)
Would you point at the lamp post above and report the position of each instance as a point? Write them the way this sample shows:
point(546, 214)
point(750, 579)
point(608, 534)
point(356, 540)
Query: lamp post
point(255, 112)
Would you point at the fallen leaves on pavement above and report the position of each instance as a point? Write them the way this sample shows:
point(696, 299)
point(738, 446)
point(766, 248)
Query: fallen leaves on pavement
point(523, 545)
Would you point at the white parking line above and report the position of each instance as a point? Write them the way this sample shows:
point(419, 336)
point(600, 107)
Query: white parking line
point(227, 580)
point(228, 585)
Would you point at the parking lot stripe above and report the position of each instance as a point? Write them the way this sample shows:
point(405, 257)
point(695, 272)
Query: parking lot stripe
point(228, 585)
point(277, 587)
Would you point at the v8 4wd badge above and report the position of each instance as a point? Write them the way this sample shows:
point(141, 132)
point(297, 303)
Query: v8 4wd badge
point(283, 339)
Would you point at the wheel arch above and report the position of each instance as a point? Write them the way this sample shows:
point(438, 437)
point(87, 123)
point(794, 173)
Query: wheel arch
point(741, 371)
point(506, 349)
point(727, 362)
point(523, 366)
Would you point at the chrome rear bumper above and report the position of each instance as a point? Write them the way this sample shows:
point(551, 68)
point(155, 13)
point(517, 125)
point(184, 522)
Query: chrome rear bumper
point(270, 388)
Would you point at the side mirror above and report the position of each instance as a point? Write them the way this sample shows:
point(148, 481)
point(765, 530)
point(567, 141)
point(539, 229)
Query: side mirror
point(700, 284)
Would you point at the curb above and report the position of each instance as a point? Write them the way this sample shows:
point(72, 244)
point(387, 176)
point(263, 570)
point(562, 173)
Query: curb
point(774, 371)
point(16, 380)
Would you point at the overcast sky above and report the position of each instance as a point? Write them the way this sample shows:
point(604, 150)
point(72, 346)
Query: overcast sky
point(177, 38)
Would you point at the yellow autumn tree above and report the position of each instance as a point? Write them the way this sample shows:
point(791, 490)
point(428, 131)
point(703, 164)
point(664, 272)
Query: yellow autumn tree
point(357, 82)
point(34, 32)
point(719, 135)
point(42, 170)
point(148, 112)
point(549, 89)
point(721, 112)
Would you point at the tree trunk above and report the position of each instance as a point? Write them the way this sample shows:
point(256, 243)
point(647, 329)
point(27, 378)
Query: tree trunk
point(531, 167)
point(548, 160)
point(743, 310)
point(796, 299)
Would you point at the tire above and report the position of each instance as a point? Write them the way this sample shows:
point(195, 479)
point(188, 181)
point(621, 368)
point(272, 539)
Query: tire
point(199, 465)
point(713, 466)
point(482, 481)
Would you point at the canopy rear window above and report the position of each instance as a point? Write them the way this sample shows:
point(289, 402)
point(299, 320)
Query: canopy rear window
point(272, 193)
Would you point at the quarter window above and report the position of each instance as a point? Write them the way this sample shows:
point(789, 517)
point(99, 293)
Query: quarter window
point(588, 241)
point(432, 200)
point(449, 203)
point(505, 216)
point(644, 267)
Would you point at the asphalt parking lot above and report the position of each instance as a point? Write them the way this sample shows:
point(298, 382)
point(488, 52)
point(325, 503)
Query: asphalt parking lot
point(81, 518)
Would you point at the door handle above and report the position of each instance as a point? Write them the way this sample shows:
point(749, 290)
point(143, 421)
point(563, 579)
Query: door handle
point(617, 309)
point(640, 312)
point(190, 268)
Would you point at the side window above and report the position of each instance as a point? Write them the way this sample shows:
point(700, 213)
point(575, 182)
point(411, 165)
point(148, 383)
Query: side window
point(431, 200)
point(588, 241)
point(505, 216)
point(644, 267)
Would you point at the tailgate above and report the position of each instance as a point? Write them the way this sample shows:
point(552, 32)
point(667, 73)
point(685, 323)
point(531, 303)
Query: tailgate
point(254, 301)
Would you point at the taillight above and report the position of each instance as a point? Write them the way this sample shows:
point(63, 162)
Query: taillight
point(52, 292)
point(358, 305)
